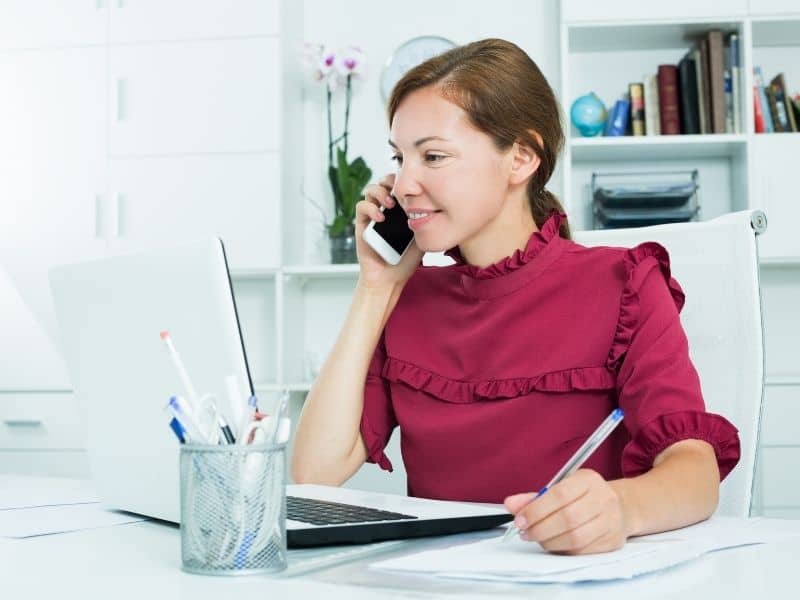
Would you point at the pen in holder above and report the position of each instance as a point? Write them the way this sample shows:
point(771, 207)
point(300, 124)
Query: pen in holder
point(233, 508)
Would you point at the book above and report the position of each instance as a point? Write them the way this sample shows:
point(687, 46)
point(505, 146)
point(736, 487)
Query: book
point(736, 81)
point(758, 85)
point(652, 112)
point(618, 120)
point(782, 100)
point(716, 78)
point(636, 92)
point(728, 101)
point(687, 74)
point(773, 109)
point(758, 112)
point(668, 99)
point(704, 91)
point(700, 84)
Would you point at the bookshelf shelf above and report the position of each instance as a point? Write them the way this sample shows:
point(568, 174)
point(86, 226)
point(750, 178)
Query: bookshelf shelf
point(641, 36)
point(669, 147)
point(348, 270)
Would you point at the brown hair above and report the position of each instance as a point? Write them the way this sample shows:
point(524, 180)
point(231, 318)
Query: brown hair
point(506, 96)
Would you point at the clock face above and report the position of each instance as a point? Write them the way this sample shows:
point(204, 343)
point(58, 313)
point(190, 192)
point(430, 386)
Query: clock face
point(415, 51)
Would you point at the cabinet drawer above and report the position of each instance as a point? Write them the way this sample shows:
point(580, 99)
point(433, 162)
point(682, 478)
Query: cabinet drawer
point(45, 463)
point(577, 11)
point(40, 421)
point(156, 20)
point(781, 415)
point(198, 97)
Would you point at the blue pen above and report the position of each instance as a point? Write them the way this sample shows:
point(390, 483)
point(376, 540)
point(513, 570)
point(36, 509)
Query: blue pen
point(179, 431)
point(580, 457)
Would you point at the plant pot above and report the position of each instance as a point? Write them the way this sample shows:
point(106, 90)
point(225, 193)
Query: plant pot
point(343, 247)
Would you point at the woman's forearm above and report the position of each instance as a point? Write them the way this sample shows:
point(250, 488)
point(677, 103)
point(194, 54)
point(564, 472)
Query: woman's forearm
point(327, 436)
point(682, 488)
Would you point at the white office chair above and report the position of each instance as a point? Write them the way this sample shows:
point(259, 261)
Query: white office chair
point(716, 263)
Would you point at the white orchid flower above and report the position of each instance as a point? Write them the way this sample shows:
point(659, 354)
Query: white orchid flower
point(351, 61)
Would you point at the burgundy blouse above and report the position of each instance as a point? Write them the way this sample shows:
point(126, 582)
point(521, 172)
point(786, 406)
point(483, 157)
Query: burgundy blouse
point(497, 375)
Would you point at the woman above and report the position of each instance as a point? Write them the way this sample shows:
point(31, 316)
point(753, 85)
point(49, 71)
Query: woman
point(498, 367)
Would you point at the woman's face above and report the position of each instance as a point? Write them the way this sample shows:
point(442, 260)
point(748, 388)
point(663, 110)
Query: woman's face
point(447, 169)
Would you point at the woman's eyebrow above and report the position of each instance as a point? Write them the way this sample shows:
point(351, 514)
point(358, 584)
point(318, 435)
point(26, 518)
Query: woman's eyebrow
point(421, 141)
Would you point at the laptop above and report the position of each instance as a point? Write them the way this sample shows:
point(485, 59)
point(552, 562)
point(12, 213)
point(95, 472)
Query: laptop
point(110, 313)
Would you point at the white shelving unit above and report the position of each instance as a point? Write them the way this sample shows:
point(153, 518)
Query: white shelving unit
point(604, 47)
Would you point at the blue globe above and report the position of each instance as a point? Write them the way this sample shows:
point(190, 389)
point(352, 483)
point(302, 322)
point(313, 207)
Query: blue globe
point(588, 114)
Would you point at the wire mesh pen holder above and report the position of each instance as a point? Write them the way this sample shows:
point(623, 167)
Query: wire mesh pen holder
point(233, 509)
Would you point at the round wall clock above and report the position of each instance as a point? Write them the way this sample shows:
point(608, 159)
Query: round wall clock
point(409, 55)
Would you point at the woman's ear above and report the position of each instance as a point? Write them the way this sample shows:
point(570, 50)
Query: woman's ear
point(524, 161)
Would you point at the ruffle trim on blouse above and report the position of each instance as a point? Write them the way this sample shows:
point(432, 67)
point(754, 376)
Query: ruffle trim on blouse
point(462, 392)
point(663, 431)
point(375, 453)
point(538, 240)
point(639, 261)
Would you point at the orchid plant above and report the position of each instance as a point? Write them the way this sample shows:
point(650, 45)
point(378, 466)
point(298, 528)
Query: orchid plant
point(337, 69)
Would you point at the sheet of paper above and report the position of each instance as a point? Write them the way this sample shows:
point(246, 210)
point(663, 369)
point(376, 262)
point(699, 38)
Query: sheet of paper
point(521, 561)
point(20, 491)
point(44, 520)
point(514, 558)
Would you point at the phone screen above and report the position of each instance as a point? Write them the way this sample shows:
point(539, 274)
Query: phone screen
point(394, 229)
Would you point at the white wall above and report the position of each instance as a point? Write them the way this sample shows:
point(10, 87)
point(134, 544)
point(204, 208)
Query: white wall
point(380, 27)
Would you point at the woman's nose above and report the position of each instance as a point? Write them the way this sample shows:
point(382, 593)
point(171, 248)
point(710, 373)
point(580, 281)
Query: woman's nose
point(406, 184)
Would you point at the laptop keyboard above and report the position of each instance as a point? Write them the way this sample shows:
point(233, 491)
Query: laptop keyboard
point(323, 512)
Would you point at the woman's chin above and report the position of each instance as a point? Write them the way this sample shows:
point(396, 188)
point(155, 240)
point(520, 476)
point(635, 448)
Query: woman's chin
point(430, 245)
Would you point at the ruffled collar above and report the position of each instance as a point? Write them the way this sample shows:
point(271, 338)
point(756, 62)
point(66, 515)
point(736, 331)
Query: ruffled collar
point(538, 240)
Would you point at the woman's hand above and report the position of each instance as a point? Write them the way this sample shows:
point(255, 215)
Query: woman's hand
point(583, 514)
point(375, 272)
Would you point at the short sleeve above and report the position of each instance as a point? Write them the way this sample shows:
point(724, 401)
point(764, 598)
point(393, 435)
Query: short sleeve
point(657, 385)
point(377, 418)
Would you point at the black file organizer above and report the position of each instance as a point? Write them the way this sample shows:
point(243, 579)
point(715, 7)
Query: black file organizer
point(638, 199)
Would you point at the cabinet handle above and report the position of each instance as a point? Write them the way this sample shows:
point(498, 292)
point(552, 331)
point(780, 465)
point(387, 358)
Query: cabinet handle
point(115, 220)
point(98, 216)
point(119, 99)
point(24, 423)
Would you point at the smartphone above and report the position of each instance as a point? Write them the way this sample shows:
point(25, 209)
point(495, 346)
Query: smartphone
point(391, 237)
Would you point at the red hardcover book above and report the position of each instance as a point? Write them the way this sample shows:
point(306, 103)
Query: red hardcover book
point(668, 99)
point(758, 111)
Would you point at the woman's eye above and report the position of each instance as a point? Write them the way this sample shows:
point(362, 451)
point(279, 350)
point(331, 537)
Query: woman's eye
point(398, 159)
point(434, 157)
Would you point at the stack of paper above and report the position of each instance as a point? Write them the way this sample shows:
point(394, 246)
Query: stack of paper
point(516, 560)
point(32, 506)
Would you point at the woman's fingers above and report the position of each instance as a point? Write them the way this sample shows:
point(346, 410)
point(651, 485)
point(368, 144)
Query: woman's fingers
point(387, 181)
point(367, 210)
point(379, 195)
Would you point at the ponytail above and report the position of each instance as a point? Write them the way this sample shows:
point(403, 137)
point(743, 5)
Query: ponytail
point(543, 204)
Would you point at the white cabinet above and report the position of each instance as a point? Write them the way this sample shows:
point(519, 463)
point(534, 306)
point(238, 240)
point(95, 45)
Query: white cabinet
point(578, 11)
point(777, 191)
point(199, 97)
point(774, 7)
point(51, 23)
point(53, 105)
point(41, 434)
point(52, 169)
point(157, 201)
point(157, 20)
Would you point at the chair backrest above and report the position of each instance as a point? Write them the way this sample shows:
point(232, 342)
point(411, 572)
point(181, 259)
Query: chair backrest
point(716, 263)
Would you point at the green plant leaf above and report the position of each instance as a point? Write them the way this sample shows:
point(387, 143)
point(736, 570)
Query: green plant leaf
point(351, 178)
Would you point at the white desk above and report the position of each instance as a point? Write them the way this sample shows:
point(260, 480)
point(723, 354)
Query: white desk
point(142, 560)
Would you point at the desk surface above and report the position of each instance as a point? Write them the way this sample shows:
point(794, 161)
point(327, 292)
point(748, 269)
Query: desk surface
point(142, 560)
